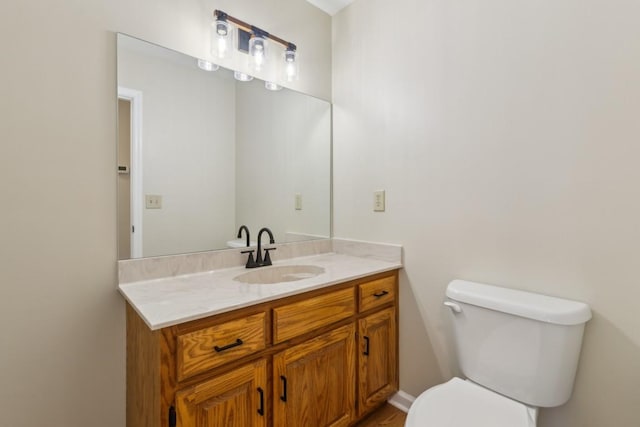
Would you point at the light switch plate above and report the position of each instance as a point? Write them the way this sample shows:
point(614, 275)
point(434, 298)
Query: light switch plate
point(153, 201)
point(298, 201)
point(378, 201)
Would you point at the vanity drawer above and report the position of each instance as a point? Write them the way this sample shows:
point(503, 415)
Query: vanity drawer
point(377, 292)
point(207, 348)
point(300, 317)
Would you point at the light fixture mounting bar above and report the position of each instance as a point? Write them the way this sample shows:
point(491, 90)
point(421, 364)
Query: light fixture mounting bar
point(218, 14)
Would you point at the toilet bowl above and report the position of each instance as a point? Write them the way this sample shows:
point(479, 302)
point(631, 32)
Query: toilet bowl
point(519, 351)
point(461, 403)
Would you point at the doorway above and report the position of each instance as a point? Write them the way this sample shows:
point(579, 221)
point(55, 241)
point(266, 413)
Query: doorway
point(124, 179)
point(130, 195)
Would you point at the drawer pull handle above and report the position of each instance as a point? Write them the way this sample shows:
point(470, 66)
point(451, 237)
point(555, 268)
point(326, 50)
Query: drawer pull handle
point(284, 388)
point(261, 408)
point(381, 294)
point(227, 347)
point(366, 346)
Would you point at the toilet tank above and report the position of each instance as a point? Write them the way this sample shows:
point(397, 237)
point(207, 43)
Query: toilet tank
point(520, 344)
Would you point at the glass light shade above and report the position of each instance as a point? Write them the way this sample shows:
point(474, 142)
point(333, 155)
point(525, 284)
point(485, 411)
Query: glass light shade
point(221, 39)
point(272, 86)
point(207, 66)
point(240, 76)
point(257, 52)
point(290, 69)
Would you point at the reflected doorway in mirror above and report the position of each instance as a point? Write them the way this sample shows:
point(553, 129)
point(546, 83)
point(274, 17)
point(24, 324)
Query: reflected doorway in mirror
point(132, 99)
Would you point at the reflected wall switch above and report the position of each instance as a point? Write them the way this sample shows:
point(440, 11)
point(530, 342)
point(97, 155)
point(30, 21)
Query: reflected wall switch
point(153, 201)
point(378, 201)
point(298, 198)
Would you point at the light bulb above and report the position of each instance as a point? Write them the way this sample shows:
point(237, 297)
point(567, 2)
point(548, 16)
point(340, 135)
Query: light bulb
point(222, 47)
point(291, 71)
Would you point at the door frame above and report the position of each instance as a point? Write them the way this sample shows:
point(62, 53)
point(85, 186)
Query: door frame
point(136, 192)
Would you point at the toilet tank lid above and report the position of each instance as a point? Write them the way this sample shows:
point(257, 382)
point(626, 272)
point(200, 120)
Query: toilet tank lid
point(543, 308)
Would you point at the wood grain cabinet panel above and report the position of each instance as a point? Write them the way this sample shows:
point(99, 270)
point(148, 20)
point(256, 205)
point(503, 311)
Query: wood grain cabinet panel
point(235, 399)
point(207, 348)
point(294, 362)
point(300, 317)
point(377, 360)
point(314, 382)
point(377, 293)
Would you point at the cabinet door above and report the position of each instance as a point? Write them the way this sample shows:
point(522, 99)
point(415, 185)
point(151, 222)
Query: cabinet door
point(377, 356)
point(314, 382)
point(235, 399)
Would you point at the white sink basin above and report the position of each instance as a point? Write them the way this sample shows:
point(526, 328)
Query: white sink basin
point(239, 243)
point(279, 274)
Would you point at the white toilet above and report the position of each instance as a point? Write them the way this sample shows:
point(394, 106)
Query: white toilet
point(519, 351)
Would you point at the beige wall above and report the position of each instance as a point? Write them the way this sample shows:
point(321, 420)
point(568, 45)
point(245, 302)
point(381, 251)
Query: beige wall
point(62, 357)
point(188, 149)
point(271, 167)
point(506, 135)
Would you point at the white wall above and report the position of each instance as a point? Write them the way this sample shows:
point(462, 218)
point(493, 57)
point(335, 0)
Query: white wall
point(62, 361)
point(505, 134)
point(188, 156)
point(282, 149)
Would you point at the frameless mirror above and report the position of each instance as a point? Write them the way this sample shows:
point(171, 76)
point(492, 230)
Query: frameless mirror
point(200, 154)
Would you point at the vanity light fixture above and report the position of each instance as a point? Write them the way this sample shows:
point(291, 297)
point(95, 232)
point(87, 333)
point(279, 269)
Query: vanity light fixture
point(243, 77)
point(291, 68)
point(207, 66)
point(257, 49)
point(272, 86)
point(221, 37)
point(254, 41)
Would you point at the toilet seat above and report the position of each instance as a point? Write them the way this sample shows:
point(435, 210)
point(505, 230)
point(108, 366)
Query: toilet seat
point(460, 403)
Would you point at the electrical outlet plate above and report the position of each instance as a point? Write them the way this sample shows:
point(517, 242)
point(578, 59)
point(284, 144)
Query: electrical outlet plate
point(153, 201)
point(378, 201)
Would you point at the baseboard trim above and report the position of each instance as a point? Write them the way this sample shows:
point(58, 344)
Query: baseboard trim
point(402, 400)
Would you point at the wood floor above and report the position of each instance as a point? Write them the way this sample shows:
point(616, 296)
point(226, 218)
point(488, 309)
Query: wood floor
point(387, 416)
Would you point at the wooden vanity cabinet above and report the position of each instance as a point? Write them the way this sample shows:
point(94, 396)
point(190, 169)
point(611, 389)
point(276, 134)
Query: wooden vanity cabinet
point(377, 359)
point(237, 398)
point(314, 382)
point(217, 345)
point(324, 358)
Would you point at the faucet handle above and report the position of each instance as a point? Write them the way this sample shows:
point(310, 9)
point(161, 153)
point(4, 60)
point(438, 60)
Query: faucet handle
point(250, 261)
point(267, 257)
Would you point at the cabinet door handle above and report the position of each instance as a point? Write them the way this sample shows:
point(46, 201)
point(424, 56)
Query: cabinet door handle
point(227, 347)
point(172, 417)
point(381, 294)
point(284, 388)
point(366, 346)
point(261, 408)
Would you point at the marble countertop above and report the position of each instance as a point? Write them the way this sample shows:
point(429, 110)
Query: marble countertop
point(174, 300)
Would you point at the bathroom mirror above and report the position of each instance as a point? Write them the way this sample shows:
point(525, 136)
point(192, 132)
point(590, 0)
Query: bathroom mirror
point(201, 153)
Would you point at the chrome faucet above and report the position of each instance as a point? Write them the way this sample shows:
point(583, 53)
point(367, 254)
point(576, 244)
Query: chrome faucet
point(267, 259)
